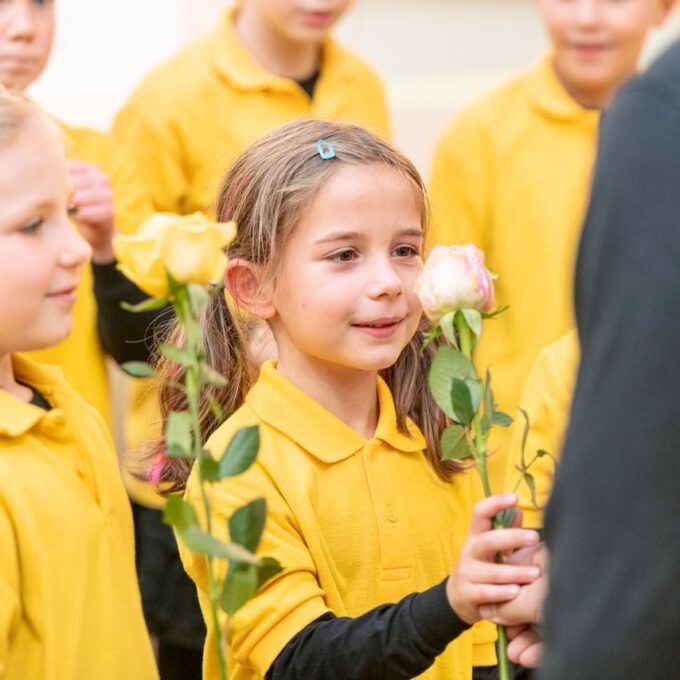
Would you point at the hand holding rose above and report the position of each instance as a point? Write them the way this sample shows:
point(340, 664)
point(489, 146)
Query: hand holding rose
point(478, 580)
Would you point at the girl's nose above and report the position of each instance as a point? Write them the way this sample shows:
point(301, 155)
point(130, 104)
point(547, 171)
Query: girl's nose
point(385, 281)
point(75, 251)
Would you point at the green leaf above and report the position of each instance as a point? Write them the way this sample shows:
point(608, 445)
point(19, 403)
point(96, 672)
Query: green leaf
point(268, 568)
point(240, 453)
point(247, 523)
point(455, 443)
point(446, 323)
point(178, 439)
point(473, 318)
point(475, 387)
point(148, 305)
point(501, 419)
point(239, 586)
point(244, 580)
point(461, 401)
point(176, 354)
point(430, 336)
point(448, 363)
point(181, 515)
point(138, 369)
point(493, 314)
point(211, 376)
point(529, 480)
point(209, 468)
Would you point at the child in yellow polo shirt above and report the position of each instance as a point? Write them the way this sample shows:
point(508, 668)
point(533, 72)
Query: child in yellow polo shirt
point(381, 578)
point(107, 195)
point(265, 63)
point(512, 174)
point(69, 603)
point(546, 399)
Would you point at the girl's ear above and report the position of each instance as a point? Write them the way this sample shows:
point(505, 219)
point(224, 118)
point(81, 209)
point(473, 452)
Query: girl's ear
point(243, 280)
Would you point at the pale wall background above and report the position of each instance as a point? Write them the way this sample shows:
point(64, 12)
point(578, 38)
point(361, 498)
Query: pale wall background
point(434, 55)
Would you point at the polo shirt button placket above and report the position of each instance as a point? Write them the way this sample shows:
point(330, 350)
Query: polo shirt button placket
point(390, 515)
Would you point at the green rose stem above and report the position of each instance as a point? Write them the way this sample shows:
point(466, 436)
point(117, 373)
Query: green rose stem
point(465, 339)
point(193, 381)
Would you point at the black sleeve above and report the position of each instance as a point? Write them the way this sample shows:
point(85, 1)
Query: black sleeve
point(613, 609)
point(395, 641)
point(125, 336)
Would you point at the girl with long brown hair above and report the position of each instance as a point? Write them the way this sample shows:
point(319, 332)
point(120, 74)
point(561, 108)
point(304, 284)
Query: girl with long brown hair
point(366, 519)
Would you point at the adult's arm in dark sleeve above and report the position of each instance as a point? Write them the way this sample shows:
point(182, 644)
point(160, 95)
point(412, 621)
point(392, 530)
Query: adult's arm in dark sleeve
point(125, 336)
point(395, 641)
point(612, 525)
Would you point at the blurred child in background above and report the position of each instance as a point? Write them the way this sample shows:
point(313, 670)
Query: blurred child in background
point(512, 174)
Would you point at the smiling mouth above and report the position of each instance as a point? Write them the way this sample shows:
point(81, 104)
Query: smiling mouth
point(64, 294)
point(380, 327)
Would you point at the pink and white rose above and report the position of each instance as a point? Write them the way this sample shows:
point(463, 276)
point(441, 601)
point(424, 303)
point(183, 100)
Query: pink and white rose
point(455, 278)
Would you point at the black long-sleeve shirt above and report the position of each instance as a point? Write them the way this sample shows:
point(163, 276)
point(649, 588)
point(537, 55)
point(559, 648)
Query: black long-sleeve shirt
point(613, 524)
point(125, 336)
point(393, 641)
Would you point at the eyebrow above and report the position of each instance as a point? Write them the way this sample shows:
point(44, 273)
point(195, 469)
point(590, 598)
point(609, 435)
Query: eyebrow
point(355, 235)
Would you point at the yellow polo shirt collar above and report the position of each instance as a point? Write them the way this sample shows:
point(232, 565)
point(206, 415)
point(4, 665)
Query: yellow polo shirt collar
point(288, 409)
point(18, 417)
point(235, 62)
point(551, 97)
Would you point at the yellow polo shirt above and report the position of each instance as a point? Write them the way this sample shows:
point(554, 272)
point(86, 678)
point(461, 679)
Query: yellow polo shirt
point(512, 174)
point(546, 397)
point(69, 604)
point(80, 356)
point(192, 115)
point(356, 523)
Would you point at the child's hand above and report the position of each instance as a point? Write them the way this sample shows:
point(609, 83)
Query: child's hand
point(92, 207)
point(477, 580)
point(526, 607)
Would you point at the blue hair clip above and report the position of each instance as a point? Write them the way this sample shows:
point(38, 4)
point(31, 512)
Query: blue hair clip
point(325, 149)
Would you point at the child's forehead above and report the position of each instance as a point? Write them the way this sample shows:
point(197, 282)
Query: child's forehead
point(33, 168)
point(357, 201)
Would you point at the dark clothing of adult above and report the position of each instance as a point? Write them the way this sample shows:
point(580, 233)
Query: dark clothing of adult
point(613, 525)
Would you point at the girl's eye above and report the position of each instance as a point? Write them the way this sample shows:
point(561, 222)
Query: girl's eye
point(346, 255)
point(406, 251)
point(32, 227)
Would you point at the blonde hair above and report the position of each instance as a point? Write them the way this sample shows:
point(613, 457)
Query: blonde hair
point(266, 192)
point(16, 112)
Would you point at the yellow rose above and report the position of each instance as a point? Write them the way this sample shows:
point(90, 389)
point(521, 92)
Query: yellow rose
point(189, 247)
